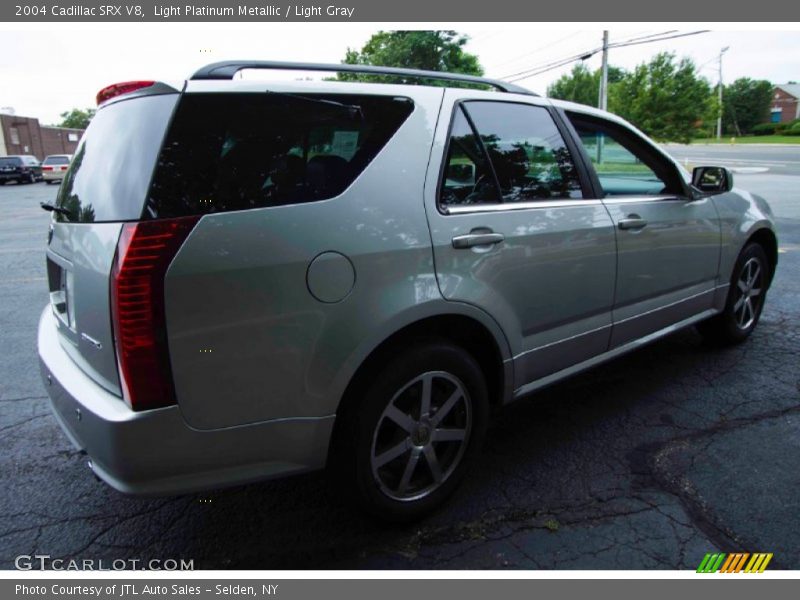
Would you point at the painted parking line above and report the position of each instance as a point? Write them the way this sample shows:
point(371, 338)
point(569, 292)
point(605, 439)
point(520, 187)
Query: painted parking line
point(749, 170)
point(762, 161)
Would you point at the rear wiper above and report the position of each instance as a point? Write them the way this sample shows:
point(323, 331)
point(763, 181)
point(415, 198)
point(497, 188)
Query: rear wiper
point(56, 209)
point(353, 109)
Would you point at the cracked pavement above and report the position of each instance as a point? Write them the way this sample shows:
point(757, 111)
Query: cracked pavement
point(646, 462)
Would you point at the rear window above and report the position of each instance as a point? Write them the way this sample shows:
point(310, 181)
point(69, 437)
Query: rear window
point(56, 160)
point(10, 161)
point(228, 152)
point(113, 166)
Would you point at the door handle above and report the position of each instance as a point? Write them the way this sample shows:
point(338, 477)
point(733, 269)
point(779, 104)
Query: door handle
point(470, 240)
point(632, 222)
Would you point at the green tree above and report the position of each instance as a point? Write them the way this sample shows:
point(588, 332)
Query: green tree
point(745, 104)
point(429, 50)
point(665, 98)
point(581, 85)
point(77, 118)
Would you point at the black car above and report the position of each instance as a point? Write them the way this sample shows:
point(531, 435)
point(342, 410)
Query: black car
point(21, 168)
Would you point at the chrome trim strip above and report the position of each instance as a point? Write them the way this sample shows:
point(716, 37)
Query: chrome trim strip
point(665, 306)
point(598, 329)
point(481, 208)
point(640, 199)
point(561, 341)
point(618, 351)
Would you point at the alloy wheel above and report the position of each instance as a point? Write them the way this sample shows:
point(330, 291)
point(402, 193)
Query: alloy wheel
point(421, 436)
point(749, 291)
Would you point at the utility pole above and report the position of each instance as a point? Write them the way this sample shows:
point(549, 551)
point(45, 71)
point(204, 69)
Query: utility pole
point(602, 102)
point(719, 115)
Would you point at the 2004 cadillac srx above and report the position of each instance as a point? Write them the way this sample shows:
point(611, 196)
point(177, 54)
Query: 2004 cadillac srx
point(250, 279)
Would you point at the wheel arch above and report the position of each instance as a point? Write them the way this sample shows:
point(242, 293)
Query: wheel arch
point(481, 337)
point(767, 239)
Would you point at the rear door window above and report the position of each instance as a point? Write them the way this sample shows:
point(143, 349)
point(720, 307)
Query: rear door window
point(228, 152)
point(503, 152)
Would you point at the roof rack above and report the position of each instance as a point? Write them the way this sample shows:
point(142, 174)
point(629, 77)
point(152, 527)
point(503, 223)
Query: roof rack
point(227, 69)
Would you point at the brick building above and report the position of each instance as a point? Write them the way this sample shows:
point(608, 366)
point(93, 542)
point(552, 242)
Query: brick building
point(785, 105)
point(24, 135)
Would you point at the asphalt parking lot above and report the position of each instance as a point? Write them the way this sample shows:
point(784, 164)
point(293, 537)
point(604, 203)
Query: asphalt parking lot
point(647, 462)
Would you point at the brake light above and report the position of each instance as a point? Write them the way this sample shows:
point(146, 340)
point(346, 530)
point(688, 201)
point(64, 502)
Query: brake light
point(117, 89)
point(144, 252)
point(47, 168)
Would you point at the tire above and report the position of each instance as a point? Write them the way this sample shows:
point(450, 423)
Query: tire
point(746, 296)
point(385, 457)
point(49, 181)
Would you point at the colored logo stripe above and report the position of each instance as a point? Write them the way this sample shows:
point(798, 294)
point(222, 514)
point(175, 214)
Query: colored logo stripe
point(733, 563)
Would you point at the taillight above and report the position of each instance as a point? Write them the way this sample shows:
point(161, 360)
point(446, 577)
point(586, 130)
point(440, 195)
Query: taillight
point(144, 252)
point(117, 89)
point(47, 168)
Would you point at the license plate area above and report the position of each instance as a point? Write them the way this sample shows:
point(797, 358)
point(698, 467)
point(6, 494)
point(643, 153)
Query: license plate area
point(62, 290)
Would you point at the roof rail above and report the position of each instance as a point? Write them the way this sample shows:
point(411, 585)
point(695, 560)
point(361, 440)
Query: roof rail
point(227, 69)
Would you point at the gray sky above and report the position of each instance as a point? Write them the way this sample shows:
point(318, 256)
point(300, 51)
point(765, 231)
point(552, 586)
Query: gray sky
point(47, 70)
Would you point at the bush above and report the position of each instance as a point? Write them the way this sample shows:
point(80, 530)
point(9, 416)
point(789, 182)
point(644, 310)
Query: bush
point(764, 129)
point(793, 130)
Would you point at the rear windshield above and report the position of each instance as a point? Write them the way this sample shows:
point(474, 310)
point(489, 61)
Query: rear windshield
point(229, 152)
point(56, 160)
point(113, 166)
point(10, 161)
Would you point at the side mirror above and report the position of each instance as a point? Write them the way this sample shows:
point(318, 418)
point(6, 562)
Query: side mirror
point(712, 180)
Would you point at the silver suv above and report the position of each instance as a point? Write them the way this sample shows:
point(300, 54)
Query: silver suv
point(250, 279)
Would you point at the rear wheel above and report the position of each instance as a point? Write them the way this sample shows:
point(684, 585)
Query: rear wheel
point(746, 295)
point(402, 449)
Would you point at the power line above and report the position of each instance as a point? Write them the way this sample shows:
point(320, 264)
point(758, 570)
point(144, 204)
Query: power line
point(661, 39)
point(532, 72)
point(540, 48)
point(582, 55)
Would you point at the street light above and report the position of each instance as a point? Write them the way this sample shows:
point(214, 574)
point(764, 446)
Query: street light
point(719, 115)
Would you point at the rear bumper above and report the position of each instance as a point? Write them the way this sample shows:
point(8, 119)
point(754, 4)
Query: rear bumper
point(53, 175)
point(155, 452)
point(11, 176)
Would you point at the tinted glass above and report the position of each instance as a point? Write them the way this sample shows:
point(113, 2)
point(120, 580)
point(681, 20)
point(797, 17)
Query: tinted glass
point(624, 164)
point(10, 161)
point(229, 152)
point(110, 172)
point(468, 178)
point(56, 160)
point(529, 156)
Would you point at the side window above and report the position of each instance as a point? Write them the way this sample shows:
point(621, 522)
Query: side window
point(624, 164)
point(468, 178)
point(528, 154)
point(505, 152)
point(226, 152)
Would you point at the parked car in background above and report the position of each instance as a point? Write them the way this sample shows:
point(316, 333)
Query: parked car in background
point(253, 279)
point(55, 166)
point(22, 168)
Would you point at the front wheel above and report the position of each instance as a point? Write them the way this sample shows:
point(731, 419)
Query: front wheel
point(401, 449)
point(746, 295)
